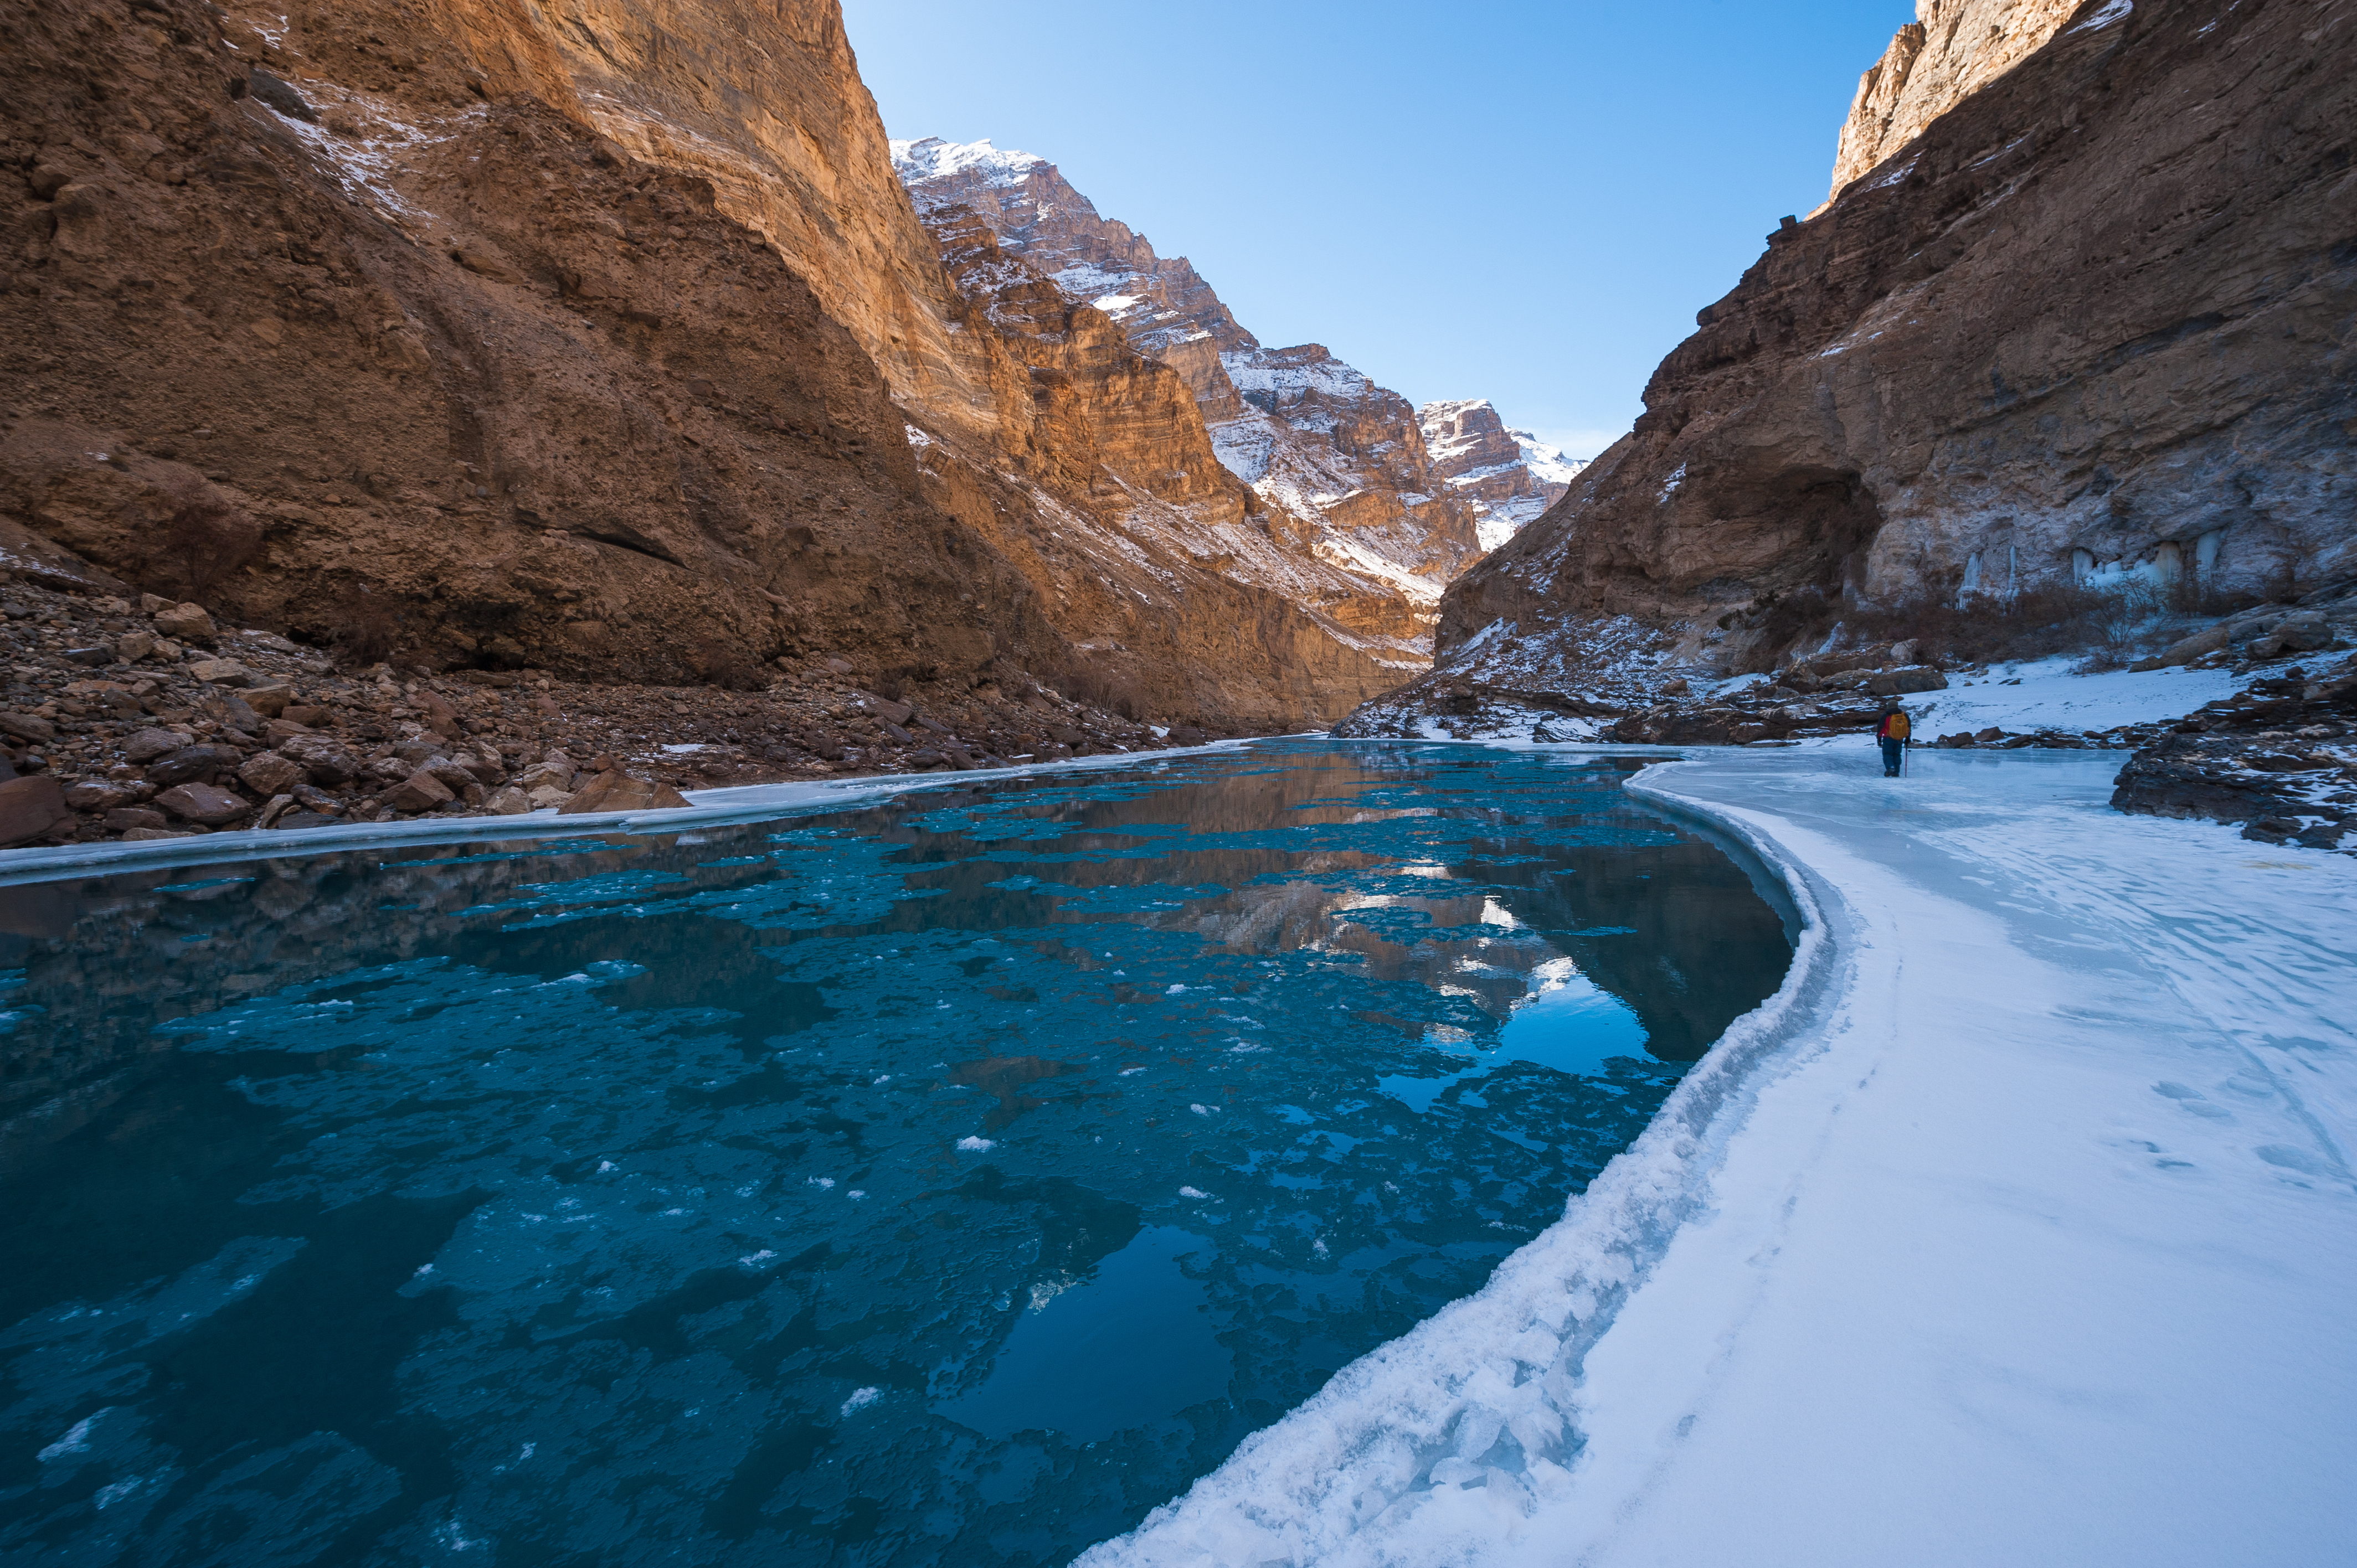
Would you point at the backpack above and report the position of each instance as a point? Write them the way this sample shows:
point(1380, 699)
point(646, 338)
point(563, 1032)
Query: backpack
point(1896, 727)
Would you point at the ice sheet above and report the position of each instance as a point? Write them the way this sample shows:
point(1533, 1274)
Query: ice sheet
point(2018, 1229)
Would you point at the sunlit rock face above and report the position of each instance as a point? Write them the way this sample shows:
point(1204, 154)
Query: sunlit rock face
point(1336, 464)
point(2071, 331)
point(1952, 49)
point(1510, 476)
point(603, 340)
point(1164, 306)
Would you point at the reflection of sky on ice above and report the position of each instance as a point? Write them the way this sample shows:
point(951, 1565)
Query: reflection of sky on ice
point(946, 1181)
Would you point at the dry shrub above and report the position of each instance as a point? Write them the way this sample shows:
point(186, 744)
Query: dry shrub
point(202, 542)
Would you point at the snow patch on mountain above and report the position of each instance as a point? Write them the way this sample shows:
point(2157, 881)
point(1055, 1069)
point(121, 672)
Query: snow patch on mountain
point(929, 157)
point(1509, 476)
point(1548, 465)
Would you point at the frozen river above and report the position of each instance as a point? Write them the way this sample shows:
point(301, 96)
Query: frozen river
point(948, 1178)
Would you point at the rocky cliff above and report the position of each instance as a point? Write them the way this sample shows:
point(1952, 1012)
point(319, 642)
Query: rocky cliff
point(599, 337)
point(2088, 329)
point(1336, 464)
point(1508, 476)
point(1952, 49)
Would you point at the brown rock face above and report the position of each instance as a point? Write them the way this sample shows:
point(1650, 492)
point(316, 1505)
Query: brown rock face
point(2091, 324)
point(1508, 476)
point(1952, 49)
point(1363, 530)
point(593, 339)
point(1166, 308)
point(653, 450)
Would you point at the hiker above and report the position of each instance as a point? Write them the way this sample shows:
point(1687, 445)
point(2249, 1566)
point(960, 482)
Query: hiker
point(1892, 732)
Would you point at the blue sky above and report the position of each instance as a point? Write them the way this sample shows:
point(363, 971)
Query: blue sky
point(1517, 202)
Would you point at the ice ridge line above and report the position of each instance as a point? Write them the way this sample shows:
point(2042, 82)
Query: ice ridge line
point(1415, 1451)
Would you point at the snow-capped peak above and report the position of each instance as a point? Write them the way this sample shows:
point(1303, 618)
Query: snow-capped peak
point(1548, 465)
point(931, 158)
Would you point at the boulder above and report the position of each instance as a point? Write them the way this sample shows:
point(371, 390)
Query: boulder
point(31, 728)
point(556, 774)
point(2302, 633)
point(205, 805)
point(439, 715)
point(186, 623)
point(322, 758)
point(232, 710)
point(620, 791)
point(134, 646)
point(191, 763)
point(2187, 650)
point(92, 657)
point(280, 95)
point(220, 672)
point(510, 801)
point(888, 710)
point(149, 744)
point(99, 795)
point(31, 807)
point(1900, 682)
point(269, 701)
point(421, 792)
point(123, 819)
point(272, 773)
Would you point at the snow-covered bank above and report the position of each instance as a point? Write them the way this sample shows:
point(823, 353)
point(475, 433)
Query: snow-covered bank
point(2018, 1228)
point(2045, 694)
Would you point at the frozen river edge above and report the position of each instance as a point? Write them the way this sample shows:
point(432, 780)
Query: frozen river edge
point(2016, 1226)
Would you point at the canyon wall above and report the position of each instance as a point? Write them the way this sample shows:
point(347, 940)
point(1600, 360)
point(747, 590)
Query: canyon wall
point(1508, 476)
point(1336, 464)
point(2092, 325)
point(1952, 49)
point(599, 335)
